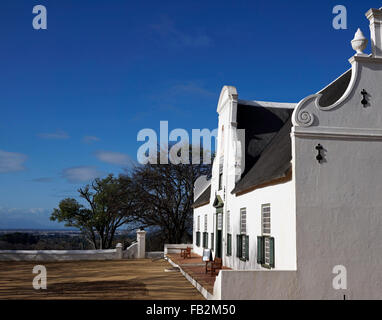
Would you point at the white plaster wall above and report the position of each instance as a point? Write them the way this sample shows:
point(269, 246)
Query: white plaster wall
point(339, 222)
point(259, 284)
point(202, 211)
point(339, 202)
point(283, 228)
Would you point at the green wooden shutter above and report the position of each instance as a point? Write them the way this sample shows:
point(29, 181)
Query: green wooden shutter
point(227, 252)
point(238, 246)
point(272, 252)
point(229, 244)
point(247, 248)
point(212, 241)
point(205, 239)
point(260, 250)
point(198, 239)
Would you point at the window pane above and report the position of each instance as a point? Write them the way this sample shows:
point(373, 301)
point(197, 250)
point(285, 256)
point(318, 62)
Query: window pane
point(266, 219)
point(243, 221)
point(243, 247)
point(228, 221)
point(220, 221)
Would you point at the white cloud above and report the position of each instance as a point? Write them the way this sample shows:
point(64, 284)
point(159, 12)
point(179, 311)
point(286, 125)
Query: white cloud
point(90, 139)
point(116, 158)
point(81, 174)
point(11, 161)
point(191, 89)
point(58, 135)
point(167, 31)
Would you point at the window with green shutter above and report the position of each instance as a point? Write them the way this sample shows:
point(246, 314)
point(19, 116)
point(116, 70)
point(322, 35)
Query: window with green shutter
point(229, 244)
point(198, 239)
point(246, 248)
point(242, 247)
point(212, 241)
point(205, 240)
point(266, 251)
point(238, 245)
point(243, 239)
point(266, 243)
point(260, 250)
point(272, 252)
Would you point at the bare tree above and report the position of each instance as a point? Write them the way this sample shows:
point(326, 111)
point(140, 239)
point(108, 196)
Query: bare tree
point(164, 195)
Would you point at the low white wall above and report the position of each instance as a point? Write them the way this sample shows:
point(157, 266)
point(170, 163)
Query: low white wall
point(70, 255)
point(256, 284)
point(154, 254)
point(131, 252)
point(57, 255)
point(176, 248)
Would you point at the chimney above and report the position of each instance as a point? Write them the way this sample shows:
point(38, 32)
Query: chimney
point(375, 18)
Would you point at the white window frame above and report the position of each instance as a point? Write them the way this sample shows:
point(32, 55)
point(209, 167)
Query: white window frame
point(198, 224)
point(220, 221)
point(228, 221)
point(265, 209)
point(266, 231)
point(243, 221)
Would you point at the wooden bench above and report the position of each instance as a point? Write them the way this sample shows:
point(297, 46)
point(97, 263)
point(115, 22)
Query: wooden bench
point(214, 265)
point(185, 253)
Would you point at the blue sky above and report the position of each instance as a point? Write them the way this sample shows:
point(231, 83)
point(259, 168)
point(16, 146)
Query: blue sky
point(73, 97)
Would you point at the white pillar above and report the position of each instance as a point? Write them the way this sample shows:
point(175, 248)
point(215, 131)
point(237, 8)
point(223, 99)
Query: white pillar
point(141, 239)
point(375, 17)
point(119, 253)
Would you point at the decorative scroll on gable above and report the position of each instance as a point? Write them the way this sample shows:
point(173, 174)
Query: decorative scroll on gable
point(358, 106)
point(352, 102)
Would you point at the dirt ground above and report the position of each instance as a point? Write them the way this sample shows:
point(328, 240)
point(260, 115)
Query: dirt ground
point(106, 280)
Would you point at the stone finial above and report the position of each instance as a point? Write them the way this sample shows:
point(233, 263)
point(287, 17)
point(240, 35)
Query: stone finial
point(359, 42)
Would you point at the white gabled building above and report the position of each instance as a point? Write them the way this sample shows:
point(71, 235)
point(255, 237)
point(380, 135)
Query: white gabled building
point(251, 192)
point(296, 189)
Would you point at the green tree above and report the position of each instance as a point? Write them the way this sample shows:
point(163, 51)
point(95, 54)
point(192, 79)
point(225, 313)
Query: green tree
point(110, 204)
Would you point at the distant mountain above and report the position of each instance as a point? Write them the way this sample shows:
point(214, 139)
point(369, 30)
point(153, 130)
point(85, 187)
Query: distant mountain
point(27, 219)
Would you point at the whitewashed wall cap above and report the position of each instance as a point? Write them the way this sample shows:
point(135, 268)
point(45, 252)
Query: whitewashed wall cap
point(374, 13)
